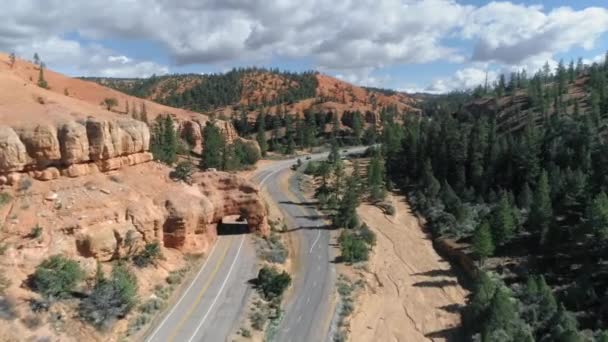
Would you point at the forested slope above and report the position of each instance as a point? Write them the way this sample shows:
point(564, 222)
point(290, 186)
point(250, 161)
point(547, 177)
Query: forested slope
point(518, 172)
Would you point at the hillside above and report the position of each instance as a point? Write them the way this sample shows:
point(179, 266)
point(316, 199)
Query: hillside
point(88, 218)
point(255, 90)
point(511, 180)
point(65, 92)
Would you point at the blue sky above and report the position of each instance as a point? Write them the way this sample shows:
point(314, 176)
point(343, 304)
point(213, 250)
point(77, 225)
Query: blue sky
point(412, 45)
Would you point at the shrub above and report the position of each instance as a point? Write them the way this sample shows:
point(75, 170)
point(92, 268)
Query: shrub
point(352, 247)
point(275, 251)
point(109, 103)
point(4, 198)
point(4, 282)
point(258, 320)
point(111, 298)
point(183, 171)
point(57, 276)
point(36, 232)
point(148, 255)
point(245, 332)
point(271, 283)
point(7, 309)
point(246, 152)
point(24, 184)
point(32, 322)
point(367, 234)
point(311, 168)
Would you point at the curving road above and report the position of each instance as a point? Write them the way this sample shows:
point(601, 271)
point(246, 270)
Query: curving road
point(210, 307)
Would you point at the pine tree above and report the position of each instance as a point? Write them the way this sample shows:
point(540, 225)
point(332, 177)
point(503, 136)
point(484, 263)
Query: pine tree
point(261, 135)
point(357, 126)
point(11, 59)
point(41, 81)
point(230, 160)
point(310, 129)
point(213, 147)
point(597, 217)
point(483, 246)
point(541, 212)
point(375, 178)
point(503, 226)
point(502, 314)
point(126, 107)
point(431, 184)
point(36, 58)
point(164, 141)
point(580, 67)
point(170, 140)
point(524, 200)
point(547, 303)
point(334, 152)
point(482, 295)
point(143, 114)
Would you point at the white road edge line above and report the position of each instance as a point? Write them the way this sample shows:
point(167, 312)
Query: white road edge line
point(316, 240)
point(151, 337)
point(238, 252)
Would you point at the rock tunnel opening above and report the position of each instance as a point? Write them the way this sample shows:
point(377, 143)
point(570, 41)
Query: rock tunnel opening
point(233, 225)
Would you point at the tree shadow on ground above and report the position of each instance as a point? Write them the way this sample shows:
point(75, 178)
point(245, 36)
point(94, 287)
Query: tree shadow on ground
point(436, 273)
point(301, 204)
point(449, 334)
point(438, 283)
point(453, 308)
point(322, 227)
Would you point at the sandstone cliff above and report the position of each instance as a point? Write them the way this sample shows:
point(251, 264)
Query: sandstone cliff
point(71, 148)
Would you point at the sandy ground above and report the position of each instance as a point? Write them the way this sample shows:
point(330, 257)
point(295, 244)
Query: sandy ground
point(411, 293)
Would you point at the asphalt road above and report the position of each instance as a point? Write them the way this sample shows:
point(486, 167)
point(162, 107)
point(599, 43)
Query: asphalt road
point(212, 304)
point(210, 307)
point(309, 311)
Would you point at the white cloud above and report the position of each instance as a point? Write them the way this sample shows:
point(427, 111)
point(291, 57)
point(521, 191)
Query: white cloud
point(86, 60)
point(120, 59)
point(512, 34)
point(462, 79)
point(346, 37)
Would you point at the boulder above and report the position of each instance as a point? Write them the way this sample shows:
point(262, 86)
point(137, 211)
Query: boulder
point(13, 155)
point(74, 143)
point(47, 174)
point(104, 241)
point(41, 143)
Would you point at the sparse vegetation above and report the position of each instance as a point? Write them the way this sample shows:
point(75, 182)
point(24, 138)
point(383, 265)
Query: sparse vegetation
point(272, 283)
point(56, 277)
point(272, 249)
point(148, 256)
point(4, 198)
point(109, 103)
point(11, 59)
point(183, 172)
point(4, 282)
point(25, 184)
point(352, 247)
point(42, 83)
point(36, 232)
point(112, 298)
point(164, 141)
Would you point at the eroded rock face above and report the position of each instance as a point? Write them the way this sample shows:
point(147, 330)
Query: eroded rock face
point(234, 195)
point(74, 143)
point(47, 150)
point(13, 156)
point(41, 144)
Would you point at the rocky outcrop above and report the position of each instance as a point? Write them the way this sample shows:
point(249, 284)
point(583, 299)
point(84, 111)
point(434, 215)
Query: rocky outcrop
point(233, 195)
point(45, 150)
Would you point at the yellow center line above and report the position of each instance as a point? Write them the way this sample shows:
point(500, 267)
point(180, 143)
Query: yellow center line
point(200, 295)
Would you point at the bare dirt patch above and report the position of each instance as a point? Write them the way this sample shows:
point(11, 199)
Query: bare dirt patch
point(410, 292)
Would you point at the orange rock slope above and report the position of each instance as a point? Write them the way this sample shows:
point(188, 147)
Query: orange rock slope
point(84, 175)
